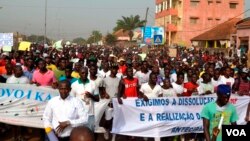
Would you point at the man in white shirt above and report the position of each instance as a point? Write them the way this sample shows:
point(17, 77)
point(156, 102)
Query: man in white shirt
point(18, 77)
point(151, 89)
point(64, 112)
point(143, 74)
point(84, 89)
point(226, 78)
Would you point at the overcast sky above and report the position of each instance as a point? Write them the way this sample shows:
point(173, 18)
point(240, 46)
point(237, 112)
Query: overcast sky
point(68, 19)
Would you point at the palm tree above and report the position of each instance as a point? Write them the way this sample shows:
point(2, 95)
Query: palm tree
point(110, 39)
point(129, 24)
point(95, 37)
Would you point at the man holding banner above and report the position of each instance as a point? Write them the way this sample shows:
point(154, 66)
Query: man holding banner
point(64, 112)
point(216, 113)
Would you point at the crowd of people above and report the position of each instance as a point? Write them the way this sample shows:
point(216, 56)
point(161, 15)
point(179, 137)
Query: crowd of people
point(100, 72)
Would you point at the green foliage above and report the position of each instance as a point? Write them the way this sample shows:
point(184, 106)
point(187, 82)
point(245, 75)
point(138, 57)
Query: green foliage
point(95, 37)
point(79, 41)
point(129, 24)
point(110, 39)
point(38, 39)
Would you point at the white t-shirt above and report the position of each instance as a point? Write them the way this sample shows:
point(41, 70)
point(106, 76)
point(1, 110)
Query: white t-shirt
point(98, 83)
point(142, 77)
point(173, 77)
point(20, 80)
point(111, 86)
point(79, 89)
point(149, 92)
point(228, 81)
point(205, 87)
point(103, 74)
point(215, 83)
point(178, 88)
point(168, 92)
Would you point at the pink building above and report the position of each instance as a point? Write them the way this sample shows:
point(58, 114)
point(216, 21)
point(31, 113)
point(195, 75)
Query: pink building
point(185, 19)
point(243, 37)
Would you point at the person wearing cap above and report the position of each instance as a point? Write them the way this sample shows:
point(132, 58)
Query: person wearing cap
point(213, 112)
point(242, 84)
point(122, 66)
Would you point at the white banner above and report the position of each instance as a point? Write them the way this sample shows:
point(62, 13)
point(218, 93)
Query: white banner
point(167, 116)
point(23, 104)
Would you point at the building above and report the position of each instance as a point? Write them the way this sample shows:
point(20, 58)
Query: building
point(185, 19)
point(243, 37)
point(217, 37)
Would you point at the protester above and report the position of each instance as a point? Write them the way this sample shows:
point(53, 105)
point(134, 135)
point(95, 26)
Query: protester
point(60, 70)
point(176, 75)
point(242, 84)
point(205, 87)
point(30, 68)
point(42, 76)
point(9, 71)
point(143, 74)
point(64, 112)
point(81, 133)
point(167, 89)
point(85, 89)
point(18, 77)
point(190, 88)
point(128, 87)
point(178, 85)
point(213, 112)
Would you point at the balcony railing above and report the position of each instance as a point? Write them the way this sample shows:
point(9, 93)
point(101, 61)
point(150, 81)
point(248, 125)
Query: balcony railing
point(171, 11)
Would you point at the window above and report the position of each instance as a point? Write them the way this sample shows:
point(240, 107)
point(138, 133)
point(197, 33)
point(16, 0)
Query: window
point(209, 20)
point(194, 20)
point(232, 5)
point(209, 2)
point(217, 19)
point(218, 1)
point(194, 3)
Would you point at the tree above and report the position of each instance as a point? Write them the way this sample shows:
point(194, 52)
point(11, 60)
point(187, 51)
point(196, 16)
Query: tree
point(129, 24)
point(79, 41)
point(110, 39)
point(95, 37)
point(38, 39)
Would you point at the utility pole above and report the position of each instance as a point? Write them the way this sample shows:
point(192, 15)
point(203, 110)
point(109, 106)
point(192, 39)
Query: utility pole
point(45, 24)
point(146, 18)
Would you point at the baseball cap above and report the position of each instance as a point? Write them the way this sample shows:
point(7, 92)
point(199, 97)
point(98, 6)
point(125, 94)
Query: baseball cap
point(224, 90)
point(121, 59)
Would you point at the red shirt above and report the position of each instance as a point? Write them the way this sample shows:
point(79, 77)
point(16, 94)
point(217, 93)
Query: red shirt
point(130, 87)
point(189, 86)
point(244, 88)
point(122, 69)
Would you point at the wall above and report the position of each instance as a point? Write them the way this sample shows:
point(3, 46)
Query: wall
point(203, 11)
point(244, 33)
